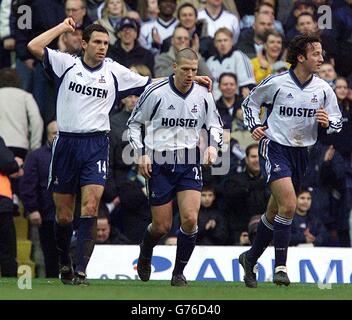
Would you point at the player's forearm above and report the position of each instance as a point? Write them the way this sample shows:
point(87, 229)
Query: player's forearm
point(37, 45)
point(135, 138)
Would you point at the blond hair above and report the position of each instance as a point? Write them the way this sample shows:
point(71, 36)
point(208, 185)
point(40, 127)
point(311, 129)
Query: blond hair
point(105, 13)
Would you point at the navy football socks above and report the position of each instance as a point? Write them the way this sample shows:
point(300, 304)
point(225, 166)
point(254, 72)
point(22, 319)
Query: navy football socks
point(149, 242)
point(262, 240)
point(185, 246)
point(87, 232)
point(63, 234)
point(282, 234)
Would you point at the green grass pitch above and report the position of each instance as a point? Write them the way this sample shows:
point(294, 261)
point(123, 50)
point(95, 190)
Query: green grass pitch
point(52, 289)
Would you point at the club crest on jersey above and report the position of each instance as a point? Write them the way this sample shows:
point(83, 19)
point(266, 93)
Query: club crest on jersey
point(102, 79)
point(194, 109)
point(314, 99)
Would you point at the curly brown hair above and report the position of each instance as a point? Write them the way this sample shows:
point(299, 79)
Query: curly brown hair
point(298, 46)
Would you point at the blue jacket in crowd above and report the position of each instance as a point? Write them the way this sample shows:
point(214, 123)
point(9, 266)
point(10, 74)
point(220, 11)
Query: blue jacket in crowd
point(328, 180)
point(316, 228)
point(33, 186)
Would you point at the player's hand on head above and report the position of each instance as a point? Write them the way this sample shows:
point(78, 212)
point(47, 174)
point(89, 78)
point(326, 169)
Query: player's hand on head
point(210, 155)
point(322, 117)
point(145, 166)
point(69, 25)
point(259, 133)
point(205, 80)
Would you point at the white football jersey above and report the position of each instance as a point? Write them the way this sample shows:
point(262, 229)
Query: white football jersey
point(173, 120)
point(290, 107)
point(236, 62)
point(86, 95)
point(224, 19)
point(165, 30)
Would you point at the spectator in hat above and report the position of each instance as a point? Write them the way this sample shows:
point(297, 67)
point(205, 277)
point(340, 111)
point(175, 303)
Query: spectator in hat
point(127, 50)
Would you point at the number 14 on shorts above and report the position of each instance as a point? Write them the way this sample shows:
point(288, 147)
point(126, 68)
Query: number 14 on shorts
point(101, 166)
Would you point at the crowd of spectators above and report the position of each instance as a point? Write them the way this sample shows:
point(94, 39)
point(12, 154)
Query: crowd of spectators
point(239, 43)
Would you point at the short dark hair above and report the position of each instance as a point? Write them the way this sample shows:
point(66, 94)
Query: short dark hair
point(104, 214)
point(306, 14)
point(250, 147)
point(228, 74)
point(305, 190)
point(186, 53)
point(298, 46)
point(262, 4)
point(9, 78)
point(184, 5)
point(87, 32)
point(209, 188)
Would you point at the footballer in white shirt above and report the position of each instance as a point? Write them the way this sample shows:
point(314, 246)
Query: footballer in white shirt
point(296, 102)
point(171, 115)
point(87, 88)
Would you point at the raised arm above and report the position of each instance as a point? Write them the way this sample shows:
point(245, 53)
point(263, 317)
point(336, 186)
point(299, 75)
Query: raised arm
point(37, 45)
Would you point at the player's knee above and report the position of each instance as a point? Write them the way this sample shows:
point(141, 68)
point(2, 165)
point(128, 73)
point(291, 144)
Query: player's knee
point(288, 210)
point(189, 223)
point(162, 228)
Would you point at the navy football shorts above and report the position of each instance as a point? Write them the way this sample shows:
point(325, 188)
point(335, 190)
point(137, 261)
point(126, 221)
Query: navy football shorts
point(168, 179)
point(78, 160)
point(278, 161)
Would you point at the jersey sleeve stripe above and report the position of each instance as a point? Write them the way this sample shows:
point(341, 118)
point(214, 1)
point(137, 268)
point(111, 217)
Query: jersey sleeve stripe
point(267, 79)
point(206, 106)
point(150, 90)
point(247, 111)
point(155, 109)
